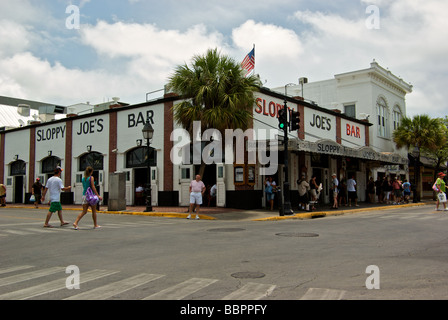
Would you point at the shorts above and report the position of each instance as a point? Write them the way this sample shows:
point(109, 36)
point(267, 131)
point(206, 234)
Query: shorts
point(55, 206)
point(196, 197)
point(335, 193)
point(397, 192)
point(270, 196)
point(352, 195)
point(407, 193)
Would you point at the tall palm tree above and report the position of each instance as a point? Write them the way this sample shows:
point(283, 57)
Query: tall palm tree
point(424, 134)
point(215, 92)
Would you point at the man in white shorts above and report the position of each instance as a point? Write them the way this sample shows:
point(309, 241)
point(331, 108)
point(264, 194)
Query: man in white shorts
point(197, 189)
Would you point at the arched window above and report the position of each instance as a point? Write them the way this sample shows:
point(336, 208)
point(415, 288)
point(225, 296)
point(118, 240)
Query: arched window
point(49, 164)
point(92, 159)
point(138, 157)
point(18, 168)
point(383, 118)
point(397, 116)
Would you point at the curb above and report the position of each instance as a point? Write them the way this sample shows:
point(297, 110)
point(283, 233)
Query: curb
point(322, 214)
point(300, 216)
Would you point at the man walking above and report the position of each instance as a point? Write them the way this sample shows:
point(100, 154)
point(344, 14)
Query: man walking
point(36, 190)
point(55, 186)
point(197, 189)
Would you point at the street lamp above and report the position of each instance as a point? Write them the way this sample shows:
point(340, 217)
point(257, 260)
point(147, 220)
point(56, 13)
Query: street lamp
point(148, 133)
point(416, 155)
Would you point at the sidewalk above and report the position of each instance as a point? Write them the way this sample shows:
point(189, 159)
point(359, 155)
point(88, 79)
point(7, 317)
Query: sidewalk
point(213, 213)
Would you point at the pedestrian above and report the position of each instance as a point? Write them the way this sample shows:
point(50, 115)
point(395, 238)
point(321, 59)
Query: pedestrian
point(371, 190)
point(304, 187)
point(342, 193)
point(387, 188)
point(379, 189)
point(197, 189)
point(440, 184)
point(36, 191)
point(270, 188)
point(2, 195)
point(88, 181)
point(335, 184)
point(396, 188)
point(313, 191)
point(55, 186)
point(351, 189)
point(406, 191)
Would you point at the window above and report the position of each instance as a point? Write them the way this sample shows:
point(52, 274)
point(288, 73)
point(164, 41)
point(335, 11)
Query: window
point(92, 159)
point(397, 117)
point(18, 168)
point(350, 110)
point(49, 164)
point(138, 157)
point(383, 118)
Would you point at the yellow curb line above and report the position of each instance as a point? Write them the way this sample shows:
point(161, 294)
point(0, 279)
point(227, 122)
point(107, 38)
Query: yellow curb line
point(311, 215)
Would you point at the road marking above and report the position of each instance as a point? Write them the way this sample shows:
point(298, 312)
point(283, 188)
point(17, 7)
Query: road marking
point(110, 290)
point(29, 275)
point(52, 286)
point(181, 290)
point(18, 232)
point(12, 269)
point(323, 294)
point(251, 291)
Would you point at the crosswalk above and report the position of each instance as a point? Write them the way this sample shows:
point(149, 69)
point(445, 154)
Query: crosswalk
point(27, 282)
point(36, 228)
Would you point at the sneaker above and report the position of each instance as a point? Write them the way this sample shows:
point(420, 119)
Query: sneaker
point(197, 217)
point(446, 209)
point(189, 216)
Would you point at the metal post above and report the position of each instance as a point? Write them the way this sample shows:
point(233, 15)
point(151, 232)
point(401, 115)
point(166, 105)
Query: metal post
point(148, 186)
point(286, 194)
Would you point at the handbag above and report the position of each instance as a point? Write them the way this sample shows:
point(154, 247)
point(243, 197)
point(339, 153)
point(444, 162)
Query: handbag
point(434, 187)
point(442, 197)
point(268, 189)
point(91, 198)
point(32, 198)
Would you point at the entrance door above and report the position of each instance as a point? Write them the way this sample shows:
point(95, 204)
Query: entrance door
point(186, 174)
point(18, 189)
point(220, 185)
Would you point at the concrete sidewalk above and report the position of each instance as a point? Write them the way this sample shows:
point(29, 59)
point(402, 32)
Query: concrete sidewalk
point(229, 214)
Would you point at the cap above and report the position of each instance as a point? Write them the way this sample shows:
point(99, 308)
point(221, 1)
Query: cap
point(441, 174)
point(333, 174)
point(58, 169)
point(37, 179)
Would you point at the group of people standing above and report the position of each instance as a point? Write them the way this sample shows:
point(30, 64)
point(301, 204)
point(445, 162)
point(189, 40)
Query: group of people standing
point(390, 190)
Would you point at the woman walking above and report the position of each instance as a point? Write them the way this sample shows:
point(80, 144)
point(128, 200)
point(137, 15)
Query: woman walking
point(88, 181)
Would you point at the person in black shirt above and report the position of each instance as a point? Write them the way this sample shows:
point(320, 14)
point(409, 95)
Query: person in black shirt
point(36, 190)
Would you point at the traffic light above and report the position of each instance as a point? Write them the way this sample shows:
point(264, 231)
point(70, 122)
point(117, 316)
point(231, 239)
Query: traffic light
point(282, 119)
point(295, 120)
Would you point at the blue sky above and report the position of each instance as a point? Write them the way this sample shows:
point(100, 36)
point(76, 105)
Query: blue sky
point(126, 48)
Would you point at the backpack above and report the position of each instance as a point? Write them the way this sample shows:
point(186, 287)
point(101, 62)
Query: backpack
point(91, 198)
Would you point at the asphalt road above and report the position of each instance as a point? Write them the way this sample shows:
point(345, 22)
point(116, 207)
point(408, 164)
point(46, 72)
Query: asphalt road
point(395, 254)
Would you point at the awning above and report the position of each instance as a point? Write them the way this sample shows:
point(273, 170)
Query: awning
point(332, 148)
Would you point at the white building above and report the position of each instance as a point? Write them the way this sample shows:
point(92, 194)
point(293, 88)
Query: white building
point(375, 94)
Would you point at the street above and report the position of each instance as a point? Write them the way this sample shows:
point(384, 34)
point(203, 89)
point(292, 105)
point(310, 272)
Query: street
point(401, 253)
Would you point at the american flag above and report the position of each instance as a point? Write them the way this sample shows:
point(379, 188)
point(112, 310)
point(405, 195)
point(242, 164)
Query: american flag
point(248, 63)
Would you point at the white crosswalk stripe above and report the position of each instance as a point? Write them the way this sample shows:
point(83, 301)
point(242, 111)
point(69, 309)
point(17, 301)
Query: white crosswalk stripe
point(323, 294)
point(130, 286)
point(48, 287)
point(251, 291)
point(110, 290)
point(180, 291)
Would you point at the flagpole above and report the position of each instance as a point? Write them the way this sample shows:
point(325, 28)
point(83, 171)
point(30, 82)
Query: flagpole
point(254, 61)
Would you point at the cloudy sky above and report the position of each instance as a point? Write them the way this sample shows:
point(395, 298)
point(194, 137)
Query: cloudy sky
point(126, 48)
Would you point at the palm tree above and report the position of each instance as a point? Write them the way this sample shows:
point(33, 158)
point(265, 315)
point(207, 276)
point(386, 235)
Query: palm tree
point(215, 92)
point(421, 133)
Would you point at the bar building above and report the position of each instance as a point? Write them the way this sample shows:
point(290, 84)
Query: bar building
point(110, 140)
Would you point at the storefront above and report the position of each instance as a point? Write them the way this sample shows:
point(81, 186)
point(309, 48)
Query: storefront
point(111, 141)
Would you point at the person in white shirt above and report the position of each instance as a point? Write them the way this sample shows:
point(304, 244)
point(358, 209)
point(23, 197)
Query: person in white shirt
point(197, 189)
point(55, 186)
point(351, 190)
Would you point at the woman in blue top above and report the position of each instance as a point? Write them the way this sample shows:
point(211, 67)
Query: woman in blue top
point(87, 181)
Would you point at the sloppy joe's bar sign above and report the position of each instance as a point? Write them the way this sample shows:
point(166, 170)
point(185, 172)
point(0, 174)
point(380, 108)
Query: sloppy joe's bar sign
point(319, 125)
